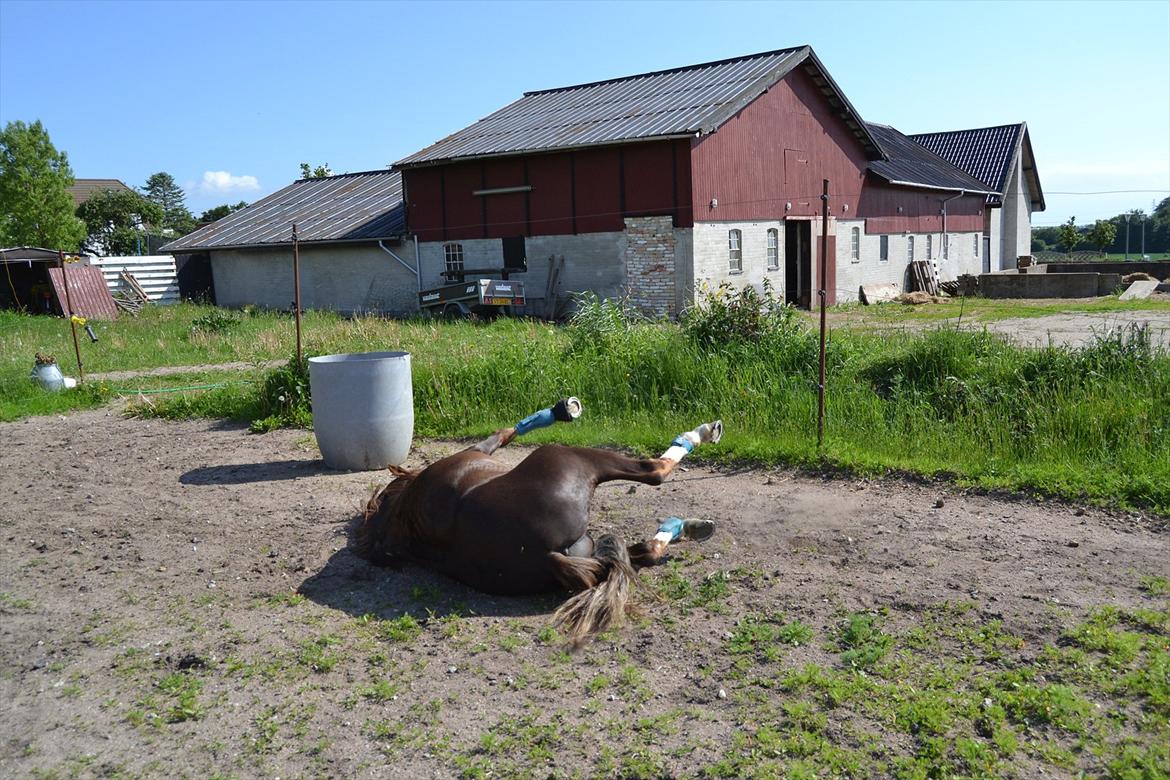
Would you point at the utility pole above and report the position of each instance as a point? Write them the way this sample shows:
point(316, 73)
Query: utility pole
point(1143, 236)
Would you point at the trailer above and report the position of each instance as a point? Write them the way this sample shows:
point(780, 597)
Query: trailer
point(475, 296)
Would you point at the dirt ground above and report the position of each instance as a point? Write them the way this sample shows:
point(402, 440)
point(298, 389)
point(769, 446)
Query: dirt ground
point(177, 599)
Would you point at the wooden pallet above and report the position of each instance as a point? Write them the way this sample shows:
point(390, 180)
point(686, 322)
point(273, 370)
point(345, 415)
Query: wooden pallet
point(925, 276)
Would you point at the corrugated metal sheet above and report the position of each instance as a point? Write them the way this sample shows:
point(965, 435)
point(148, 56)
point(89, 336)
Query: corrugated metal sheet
point(155, 274)
point(682, 101)
point(87, 292)
point(351, 207)
point(911, 163)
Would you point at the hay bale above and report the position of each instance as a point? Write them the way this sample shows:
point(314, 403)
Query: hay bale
point(1138, 276)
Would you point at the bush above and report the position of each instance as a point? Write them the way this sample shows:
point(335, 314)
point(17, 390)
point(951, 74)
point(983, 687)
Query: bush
point(285, 398)
point(215, 321)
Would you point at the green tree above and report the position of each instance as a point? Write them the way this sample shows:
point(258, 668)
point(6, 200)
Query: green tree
point(1069, 234)
point(219, 212)
point(1102, 234)
point(162, 190)
point(117, 222)
point(320, 172)
point(35, 206)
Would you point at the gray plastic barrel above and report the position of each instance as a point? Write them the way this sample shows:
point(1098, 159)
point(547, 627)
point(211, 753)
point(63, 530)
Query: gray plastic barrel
point(363, 409)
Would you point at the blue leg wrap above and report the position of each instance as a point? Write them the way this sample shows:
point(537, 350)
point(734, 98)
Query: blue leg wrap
point(672, 526)
point(541, 419)
point(682, 441)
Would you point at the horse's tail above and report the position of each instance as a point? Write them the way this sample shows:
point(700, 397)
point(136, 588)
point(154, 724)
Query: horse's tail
point(607, 579)
point(372, 536)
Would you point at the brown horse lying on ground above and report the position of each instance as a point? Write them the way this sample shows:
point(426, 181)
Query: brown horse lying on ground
point(524, 529)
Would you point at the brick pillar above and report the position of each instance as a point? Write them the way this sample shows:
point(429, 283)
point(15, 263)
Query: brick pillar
point(650, 268)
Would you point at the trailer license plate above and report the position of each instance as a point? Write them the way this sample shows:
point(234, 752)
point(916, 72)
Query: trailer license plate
point(499, 301)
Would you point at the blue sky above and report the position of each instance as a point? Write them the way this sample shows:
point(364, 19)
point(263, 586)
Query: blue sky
point(229, 98)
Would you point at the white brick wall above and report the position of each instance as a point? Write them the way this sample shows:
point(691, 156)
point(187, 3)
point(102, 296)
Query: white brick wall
point(344, 278)
point(593, 261)
point(869, 268)
point(711, 259)
point(650, 265)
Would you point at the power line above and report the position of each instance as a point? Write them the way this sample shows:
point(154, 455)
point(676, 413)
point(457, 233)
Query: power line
point(1113, 192)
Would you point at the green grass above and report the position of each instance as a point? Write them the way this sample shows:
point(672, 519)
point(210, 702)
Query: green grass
point(1090, 424)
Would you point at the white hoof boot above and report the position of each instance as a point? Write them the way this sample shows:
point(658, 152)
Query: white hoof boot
point(710, 433)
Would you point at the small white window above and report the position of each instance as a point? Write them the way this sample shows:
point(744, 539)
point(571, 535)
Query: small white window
point(909, 249)
point(884, 252)
point(855, 245)
point(735, 251)
point(976, 239)
point(929, 246)
point(453, 256)
point(773, 249)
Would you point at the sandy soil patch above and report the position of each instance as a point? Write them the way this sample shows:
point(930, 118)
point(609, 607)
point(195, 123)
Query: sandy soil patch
point(178, 599)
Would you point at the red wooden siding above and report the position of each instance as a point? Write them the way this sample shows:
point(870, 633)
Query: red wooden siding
point(464, 211)
point(551, 199)
point(598, 193)
point(506, 215)
point(585, 191)
point(647, 173)
point(920, 210)
point(424, 203)
point(753, 164)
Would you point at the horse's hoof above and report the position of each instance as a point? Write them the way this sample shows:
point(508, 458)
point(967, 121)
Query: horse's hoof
point(567, 409)
point(696, 530)
point(710, 433)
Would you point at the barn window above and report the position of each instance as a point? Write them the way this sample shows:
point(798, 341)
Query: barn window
point(773, 249)
point(909, 249)
point(975, 238)
point(855, 245)
point(735, 251)
point(884, 253)
point(929, 246)
point(453, 256)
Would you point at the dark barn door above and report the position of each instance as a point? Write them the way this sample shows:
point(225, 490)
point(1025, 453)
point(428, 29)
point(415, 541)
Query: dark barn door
point(798, 279)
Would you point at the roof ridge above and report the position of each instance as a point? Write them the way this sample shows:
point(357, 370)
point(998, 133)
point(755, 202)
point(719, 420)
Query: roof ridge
point(344, 175)
point(970, 129)
point(696, 66)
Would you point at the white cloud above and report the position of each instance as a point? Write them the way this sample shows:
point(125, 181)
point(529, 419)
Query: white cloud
point(218, 182)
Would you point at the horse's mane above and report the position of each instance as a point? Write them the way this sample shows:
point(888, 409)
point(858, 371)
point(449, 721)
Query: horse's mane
point(383, 521)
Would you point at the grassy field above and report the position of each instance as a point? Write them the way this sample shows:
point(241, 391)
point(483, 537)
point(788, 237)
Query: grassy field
point(1091, 424)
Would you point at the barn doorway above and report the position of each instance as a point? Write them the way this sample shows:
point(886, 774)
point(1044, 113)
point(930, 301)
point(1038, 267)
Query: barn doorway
point(798, 263)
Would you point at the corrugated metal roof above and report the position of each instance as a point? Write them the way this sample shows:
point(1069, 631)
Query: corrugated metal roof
point(88, 293)
point(986, 153)
point(670, 103)
point(350, 207)
point(911, 163)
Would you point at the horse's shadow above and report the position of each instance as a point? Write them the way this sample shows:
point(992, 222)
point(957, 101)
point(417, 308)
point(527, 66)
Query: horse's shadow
point(355, 586)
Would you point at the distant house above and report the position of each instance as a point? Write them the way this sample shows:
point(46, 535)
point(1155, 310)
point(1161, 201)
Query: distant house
point(656, 184)
point(354, 253)
point(1000, 157)
point(84, 189)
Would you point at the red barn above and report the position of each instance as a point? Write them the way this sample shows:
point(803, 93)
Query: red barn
point(654, 185)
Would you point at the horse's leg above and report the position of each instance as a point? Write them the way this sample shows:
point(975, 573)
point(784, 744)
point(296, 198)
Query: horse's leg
point(652, 471)
point(672, 529)
point(564, 410)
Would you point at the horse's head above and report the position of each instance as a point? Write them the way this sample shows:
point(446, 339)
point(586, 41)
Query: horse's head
point(382, 529)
